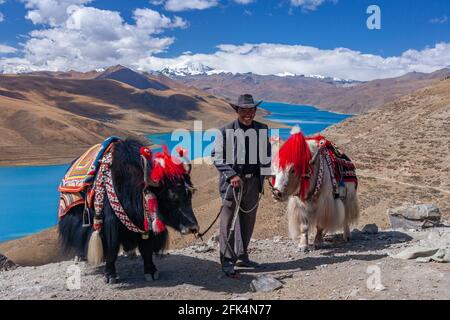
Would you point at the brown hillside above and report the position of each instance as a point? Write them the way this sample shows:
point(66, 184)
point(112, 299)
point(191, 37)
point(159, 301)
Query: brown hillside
point(323, 93)
point(55, 117)
point(402, 151)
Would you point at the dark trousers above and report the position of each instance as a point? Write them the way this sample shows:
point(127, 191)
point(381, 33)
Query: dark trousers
point(245, 222)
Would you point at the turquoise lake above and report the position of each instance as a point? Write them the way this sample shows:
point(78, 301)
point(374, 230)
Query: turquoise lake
point(29, 196)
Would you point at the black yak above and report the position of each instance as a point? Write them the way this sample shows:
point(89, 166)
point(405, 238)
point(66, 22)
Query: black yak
point(125, 214)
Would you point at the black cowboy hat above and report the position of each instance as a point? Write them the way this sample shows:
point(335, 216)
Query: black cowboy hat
point(245, 101)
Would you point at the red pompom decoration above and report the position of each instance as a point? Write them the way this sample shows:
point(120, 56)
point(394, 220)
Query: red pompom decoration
point(182, 152)
point(146, 152)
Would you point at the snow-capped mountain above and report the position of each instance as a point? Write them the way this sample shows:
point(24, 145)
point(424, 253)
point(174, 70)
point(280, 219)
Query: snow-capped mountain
point(285, 74)
point(318, 76)
point(314, 76)
point(189, 69)
point(199, 69)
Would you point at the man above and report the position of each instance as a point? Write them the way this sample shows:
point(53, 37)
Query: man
point(242, 155)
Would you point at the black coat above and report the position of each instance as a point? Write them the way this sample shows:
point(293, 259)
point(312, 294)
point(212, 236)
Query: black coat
point(230, 167)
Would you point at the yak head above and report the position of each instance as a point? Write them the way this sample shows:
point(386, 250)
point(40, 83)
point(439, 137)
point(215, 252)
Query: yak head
point(136, 170)
point(291, 168)
point(168, 177)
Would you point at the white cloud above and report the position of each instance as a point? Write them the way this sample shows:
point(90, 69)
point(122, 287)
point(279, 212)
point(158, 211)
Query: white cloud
point(440, 20)
point(90, 38)
point(244, 1)
point(86, 38)
point(154, 22)
point(183, 5)
point(7, 49)
point(51, 12)
point(308, 4)
point(269, 58)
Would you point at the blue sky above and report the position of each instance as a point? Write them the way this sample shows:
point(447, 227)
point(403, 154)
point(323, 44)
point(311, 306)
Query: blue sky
point(34, 35)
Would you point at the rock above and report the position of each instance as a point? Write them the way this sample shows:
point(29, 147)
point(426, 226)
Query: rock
point(414, 216)
point(354, 292)
point(213, 241)
point(6, 264)
point(370, 228)
point(277, 239)
point(202, 248)
point(265, 284)
point(241, 298)
point(414, 252)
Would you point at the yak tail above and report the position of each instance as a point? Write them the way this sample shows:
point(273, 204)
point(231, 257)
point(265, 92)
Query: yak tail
point(95, 254)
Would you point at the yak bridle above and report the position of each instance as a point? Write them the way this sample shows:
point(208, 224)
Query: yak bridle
point(146, 163)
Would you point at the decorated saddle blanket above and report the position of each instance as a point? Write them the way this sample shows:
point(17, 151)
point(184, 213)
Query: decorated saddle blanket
point(343, 167)
point(69, 200)
point(340, 166)
point(80, 176)
point(82, 172)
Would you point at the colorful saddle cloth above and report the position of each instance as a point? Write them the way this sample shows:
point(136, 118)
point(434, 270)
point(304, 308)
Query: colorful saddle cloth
point(341, 167)
point(344, 169)
point(82, 172)
point(69, 200)
point(81, 175)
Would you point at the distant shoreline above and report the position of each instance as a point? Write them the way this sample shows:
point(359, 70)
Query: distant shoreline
point(48, 160)
point(17, 158)
point(306, 105)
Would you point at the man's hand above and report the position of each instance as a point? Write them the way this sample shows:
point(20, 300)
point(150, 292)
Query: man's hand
point(235, 181)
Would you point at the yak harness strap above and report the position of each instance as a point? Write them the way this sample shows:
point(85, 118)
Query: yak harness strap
point(151, 214)
point(324, 158)
point(104, 185)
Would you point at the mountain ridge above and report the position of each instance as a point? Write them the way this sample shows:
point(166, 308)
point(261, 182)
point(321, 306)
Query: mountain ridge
point(345, 97)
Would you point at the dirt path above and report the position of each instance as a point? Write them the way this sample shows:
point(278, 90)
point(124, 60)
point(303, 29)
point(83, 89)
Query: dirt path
point(421, 186)
point(338, 271)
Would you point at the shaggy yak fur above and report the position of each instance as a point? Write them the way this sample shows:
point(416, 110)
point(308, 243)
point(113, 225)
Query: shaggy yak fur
point(291, 182)
point(173, 189)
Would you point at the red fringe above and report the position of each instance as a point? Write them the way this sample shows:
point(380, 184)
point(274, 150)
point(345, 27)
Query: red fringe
point(158, 226)
point(170, 169)
point(295, 151)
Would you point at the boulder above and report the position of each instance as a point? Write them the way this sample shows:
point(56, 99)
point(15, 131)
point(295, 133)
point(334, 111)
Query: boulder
point(414, 216)
point(265, 284)
point(6, 264)
point(370, 229)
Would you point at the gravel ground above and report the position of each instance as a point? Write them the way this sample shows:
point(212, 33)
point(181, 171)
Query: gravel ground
point(337, 271)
